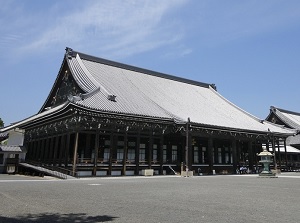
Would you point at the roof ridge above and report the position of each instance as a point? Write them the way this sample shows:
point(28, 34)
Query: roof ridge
point(286, 111)
point(137, 69)
point(51, 110)
point(90, 77)
point(288, 119)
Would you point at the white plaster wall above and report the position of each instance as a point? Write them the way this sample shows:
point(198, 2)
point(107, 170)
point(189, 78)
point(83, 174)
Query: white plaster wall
point(16, 137)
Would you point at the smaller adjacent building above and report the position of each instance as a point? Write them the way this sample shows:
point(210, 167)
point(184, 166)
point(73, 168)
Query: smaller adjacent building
point(3, 136)
point(288, 119)
point(12, 151)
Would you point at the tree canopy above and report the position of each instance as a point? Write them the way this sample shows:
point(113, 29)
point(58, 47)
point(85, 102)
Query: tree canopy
point(1, 123)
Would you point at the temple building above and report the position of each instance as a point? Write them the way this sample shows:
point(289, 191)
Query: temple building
point(104, 118)
point(290, 119)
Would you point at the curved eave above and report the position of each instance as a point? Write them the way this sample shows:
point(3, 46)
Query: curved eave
point(125, 115)
point(275, 112)
point(284, 132)
point(283, 115)
point(81, 75)
point(39, 118)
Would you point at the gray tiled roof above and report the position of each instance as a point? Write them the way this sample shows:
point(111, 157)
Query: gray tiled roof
point(35, 117)
point(289, 149)
point(3, 134)
point(140, 92)
point(293, 140)
point(19, 149)
point(291, 118)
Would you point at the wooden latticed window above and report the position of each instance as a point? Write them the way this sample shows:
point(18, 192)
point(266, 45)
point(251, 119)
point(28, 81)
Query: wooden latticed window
point(131, 151)
point(142, 152)
point(154, 153)
point(196, 154)
point(120, 150)
point(164, 153)
point(174, 153)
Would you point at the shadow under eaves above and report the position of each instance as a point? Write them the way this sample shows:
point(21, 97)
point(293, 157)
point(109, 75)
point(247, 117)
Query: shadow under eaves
point(49, 217)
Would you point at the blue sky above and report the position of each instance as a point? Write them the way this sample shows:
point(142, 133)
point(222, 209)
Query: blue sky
point(249, 49)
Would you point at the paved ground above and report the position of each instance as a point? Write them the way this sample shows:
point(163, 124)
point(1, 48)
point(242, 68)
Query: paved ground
point(234, 199)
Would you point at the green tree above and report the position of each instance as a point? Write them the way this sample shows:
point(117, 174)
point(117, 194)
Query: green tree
point(1, 123)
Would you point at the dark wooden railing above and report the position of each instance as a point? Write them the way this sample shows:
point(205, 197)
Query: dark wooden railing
point(61, 172)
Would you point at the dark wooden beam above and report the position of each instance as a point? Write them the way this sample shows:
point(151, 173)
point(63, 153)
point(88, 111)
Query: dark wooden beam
point(137, 154)
point(234, 155)
point(75, 153)
point(210, 154)
point(125, 153)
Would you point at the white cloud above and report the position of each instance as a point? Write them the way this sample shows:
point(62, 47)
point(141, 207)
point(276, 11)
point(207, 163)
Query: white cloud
point(224, 21)
point(108, 27)
point(120, 28)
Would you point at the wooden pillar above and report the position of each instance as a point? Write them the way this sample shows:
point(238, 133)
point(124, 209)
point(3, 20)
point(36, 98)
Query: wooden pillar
point(210, 154)
point(161, 148)
point(256, 151)
point(250, 152)
point(137, 154)
point(29, 144)
point(46, 153)
point(33, 154)
point(51, 149)
point(37, 151)
point(29, 148)
point(62, 147)
point(75, 153)
point(67, 149)
point(279, 154)
point(285, 154)
point(32, 148)
point(150, 149)
point(238, 152)
point(87, 149)
point(274, 152)
point(190, 152)
point(47, 148)
point(41, 148)
point(187, 145)
point(33, 144)
point(55, 150)
point(43, 143)
point(125, 153)
point(42, 154)
point(234, 155)
point(112, 145)
point(96, 153)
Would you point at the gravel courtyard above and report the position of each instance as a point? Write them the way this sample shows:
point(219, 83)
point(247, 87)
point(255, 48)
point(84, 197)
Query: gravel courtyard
point(241, 198)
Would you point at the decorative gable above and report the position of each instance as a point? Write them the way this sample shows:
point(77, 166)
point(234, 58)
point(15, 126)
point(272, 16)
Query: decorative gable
point(67, 88)
point(64, 88)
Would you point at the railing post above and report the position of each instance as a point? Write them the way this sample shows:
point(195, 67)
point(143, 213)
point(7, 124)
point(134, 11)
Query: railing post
point(75, 153)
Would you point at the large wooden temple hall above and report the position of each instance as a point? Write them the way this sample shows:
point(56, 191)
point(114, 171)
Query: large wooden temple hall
point(104, 118)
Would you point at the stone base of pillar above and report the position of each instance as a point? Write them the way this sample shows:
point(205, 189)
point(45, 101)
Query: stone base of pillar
point(267, 174)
